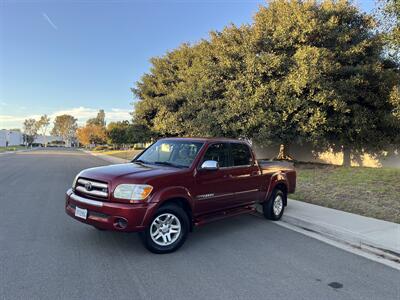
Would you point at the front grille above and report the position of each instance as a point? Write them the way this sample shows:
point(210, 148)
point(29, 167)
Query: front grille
point(91, 188)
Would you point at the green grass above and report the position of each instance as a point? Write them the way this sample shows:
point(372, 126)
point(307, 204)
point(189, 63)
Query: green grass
point(11, 148)
point(371, 192)
point(125, 154)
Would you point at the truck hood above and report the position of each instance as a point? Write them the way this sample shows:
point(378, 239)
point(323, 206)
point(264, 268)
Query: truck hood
point(131, 171)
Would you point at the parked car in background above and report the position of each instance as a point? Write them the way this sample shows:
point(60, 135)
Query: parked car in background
point(176, 184)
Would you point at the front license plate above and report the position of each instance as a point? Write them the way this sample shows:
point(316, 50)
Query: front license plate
point(80, 213)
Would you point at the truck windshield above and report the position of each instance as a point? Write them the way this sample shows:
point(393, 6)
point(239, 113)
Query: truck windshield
point(178, 154)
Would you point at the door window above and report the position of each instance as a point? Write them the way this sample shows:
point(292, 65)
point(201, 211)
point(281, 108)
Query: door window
point(219, 153)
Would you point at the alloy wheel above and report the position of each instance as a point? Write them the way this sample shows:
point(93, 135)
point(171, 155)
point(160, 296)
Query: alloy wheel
point(278, 205)
point(165, 229)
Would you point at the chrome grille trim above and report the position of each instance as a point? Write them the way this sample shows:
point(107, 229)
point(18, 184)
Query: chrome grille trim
point(86, 201)
point(93, 183)
point(91, 188)
point(92, 192)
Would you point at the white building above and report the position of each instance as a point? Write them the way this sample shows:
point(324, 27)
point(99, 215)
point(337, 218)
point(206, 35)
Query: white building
point(16, 137)
point(41, 139)
point(11, 138)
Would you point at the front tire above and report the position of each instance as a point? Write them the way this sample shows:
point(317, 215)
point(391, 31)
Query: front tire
point(167, 231)
point(273, 209)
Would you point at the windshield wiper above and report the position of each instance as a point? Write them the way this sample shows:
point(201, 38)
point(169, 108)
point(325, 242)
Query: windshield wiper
point(165, 163)
point(141, 161)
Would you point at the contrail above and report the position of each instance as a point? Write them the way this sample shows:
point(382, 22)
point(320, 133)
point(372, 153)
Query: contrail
point(46, 17)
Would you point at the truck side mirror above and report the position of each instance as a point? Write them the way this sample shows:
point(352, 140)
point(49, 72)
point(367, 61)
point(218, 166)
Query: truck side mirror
point(209, 165)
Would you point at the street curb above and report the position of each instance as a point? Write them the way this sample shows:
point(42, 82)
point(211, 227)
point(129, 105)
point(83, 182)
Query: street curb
point(18, 151)
point(341, 245)
point(340, 235)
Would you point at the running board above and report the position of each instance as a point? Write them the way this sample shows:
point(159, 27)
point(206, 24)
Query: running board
point(224, 214)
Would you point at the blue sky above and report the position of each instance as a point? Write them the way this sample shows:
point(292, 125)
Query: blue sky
point(79, 56)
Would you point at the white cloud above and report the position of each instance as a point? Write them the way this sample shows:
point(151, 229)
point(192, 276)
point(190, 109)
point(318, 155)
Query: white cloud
point(117, 114)
point(81, 113)
point(8, 121)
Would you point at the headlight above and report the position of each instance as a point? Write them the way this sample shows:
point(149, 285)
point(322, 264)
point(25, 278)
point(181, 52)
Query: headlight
point(132, 191)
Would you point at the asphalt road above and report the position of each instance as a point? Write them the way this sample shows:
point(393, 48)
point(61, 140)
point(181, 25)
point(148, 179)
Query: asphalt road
point(44, 254)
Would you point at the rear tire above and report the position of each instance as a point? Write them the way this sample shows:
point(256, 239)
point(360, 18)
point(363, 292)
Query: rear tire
point(273, 209)
point(167, 231)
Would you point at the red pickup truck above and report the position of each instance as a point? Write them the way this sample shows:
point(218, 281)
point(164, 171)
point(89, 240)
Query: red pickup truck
point(176, 184)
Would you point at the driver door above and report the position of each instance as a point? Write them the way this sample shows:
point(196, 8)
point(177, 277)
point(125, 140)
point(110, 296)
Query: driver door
point(212, 189)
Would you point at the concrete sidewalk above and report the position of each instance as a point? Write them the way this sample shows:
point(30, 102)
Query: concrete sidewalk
point(373, 235)
point(19, 150)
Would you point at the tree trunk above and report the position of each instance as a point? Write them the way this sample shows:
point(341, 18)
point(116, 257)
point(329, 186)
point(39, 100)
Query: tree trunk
point(284, 152)
point(346, 156)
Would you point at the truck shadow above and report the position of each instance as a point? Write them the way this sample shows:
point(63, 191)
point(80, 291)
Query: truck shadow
point(219, 233)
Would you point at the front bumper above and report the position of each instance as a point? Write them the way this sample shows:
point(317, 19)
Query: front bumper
point(108, 215)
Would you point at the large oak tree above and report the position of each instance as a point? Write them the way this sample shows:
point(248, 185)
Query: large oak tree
point(302, 72)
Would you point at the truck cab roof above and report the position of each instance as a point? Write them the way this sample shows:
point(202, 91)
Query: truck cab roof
point(205, 139)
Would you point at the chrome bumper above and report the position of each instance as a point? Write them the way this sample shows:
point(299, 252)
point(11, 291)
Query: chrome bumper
point(85, 201)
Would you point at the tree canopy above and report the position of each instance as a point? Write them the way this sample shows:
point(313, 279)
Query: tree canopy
point(389, 15)
point(99, 120)
point(303, 71)
point(94, 132)
point(123, 132)
point(43, 124)
point(117, 132)
point(65, 126)
point(30, 130)
point(33, 127)
point(91, 134)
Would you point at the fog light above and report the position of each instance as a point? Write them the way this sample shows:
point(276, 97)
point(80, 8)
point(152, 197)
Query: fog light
point(120, 223)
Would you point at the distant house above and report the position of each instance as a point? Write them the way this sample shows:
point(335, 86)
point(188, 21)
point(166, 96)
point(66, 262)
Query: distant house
point(11, 138)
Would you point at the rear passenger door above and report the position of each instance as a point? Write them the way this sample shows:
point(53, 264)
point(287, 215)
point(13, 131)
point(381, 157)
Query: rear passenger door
point(245, 176)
